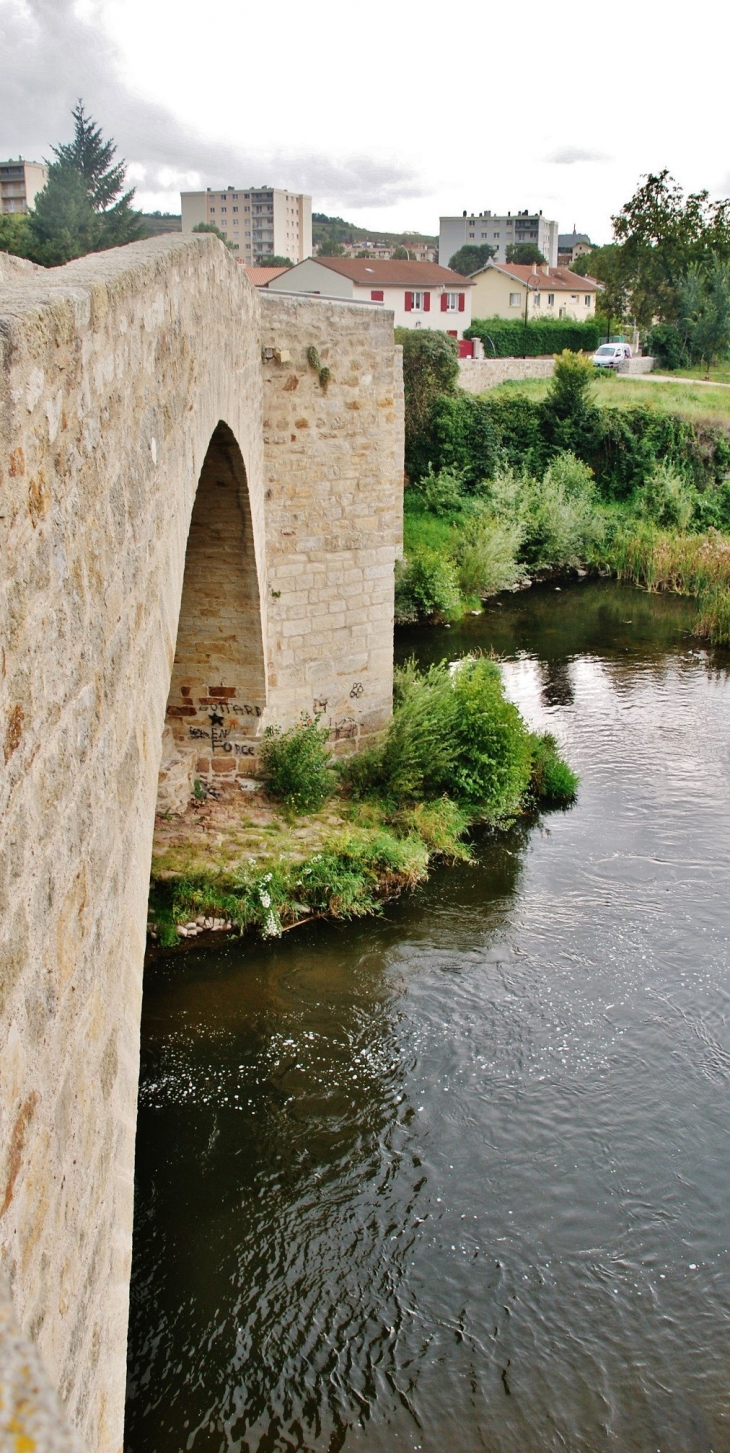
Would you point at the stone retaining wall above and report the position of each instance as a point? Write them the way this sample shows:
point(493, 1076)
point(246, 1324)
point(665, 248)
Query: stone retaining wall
point(478, 374)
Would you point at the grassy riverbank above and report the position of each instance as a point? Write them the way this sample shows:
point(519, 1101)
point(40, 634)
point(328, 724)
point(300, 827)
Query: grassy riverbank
point(461, 547)
point(455, 754)
point(535, 479)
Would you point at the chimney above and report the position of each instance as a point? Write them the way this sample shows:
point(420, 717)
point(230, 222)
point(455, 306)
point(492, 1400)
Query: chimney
point(546, 268)
point(534, 267)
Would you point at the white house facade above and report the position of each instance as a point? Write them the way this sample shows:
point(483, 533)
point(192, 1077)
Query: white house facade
point(420, 294)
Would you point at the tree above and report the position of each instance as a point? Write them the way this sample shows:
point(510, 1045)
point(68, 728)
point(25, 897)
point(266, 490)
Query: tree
point(704, 311)
point(430, 368)
point(14, 234)
point(401, 254)
point(80, 209)
point(211, 227)
point(63, 223)
point(331, 249)
point(93, 158)
point(471, 257)
point(524, 253)
point(271, 260)
point(661, 235)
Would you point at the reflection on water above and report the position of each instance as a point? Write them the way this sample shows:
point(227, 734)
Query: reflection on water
point(457, 1179)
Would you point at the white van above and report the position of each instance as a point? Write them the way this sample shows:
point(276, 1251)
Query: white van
point(610, 355)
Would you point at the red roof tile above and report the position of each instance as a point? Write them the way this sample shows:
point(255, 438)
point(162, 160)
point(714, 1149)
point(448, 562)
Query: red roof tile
point(260, 276)
point(370, 270)
point(557, 279)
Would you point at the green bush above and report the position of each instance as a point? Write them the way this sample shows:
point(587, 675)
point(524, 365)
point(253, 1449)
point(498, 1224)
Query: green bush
point(665, 498)
point(430, 368)
point(555, 513)
point(665, 344)
point(296, 764)
point(553, 782)
point(426, 584)
point(486, 554)
point(442, 493)
point(454, 733)
point(512, 339)
point(480, 434)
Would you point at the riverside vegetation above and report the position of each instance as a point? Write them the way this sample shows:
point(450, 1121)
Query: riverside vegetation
point(507, 488)
point(455, 754)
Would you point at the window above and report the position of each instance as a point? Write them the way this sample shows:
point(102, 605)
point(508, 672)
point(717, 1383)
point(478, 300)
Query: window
point(452, 302)
point(537, 300)
point(573, 297)
point(235, 209)
point(413, 302)
point(587, 300)
point(223, 209)
point(514, 300)
point(377, 295)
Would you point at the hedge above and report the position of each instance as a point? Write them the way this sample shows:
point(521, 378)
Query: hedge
point(512, 339)
point(477, 433)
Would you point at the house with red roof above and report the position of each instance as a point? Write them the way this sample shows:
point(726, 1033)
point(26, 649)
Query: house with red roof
point(509, 290)
point(419, 294)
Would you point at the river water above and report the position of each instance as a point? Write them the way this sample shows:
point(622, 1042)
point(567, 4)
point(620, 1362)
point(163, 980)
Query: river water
point(457, 1179)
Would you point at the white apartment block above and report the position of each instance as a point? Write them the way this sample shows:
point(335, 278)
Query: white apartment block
point(258, 221)
point(499, 232)
point(20, 183)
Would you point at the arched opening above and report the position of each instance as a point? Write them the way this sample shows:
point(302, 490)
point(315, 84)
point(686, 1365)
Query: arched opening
point(218, 687)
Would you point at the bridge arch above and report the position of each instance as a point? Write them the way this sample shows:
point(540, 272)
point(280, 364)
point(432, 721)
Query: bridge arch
point(217, 695)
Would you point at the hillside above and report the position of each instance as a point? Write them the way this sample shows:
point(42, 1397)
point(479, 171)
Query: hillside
point(335, 229)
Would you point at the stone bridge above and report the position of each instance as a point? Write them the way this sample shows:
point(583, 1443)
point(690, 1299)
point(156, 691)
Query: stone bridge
point(198, 531)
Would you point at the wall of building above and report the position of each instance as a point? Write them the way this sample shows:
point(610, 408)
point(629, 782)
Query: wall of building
point(117, 372)
point(499, 231)
point(492, 291)
point(20, 183)
point(395, 301)
point(476, 375)
point(312, 277)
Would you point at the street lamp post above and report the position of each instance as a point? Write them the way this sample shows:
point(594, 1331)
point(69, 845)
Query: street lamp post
point(534, 284)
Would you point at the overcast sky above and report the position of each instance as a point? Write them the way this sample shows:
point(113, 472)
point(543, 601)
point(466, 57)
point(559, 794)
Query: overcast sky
point(390, 113)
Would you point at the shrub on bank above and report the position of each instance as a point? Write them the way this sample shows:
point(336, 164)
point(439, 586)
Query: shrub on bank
point(454, 734)
point(296, 765)
point(426, 584)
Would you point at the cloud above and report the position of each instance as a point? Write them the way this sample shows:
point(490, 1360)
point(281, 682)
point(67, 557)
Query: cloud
point(54, 51)
point(569, 155)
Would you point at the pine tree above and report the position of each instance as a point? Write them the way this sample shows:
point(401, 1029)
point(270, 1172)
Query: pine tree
point(93, 157)
point(63, 223)
point(83, 207)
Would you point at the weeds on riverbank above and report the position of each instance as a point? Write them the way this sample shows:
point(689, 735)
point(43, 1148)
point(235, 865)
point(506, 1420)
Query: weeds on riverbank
point(657, 559)
point(517, 524)
point(455, 753)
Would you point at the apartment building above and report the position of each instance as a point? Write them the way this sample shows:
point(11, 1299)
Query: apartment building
point(20, 183)
point(258, 221)
point(499, 232)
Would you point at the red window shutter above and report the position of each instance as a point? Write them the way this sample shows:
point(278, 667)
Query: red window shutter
point(376, 295)
point(462, 302)
point(409, 302)
point(426, 302)
point(444, 302)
